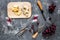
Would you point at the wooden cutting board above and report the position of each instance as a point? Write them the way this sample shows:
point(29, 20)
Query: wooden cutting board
point(19, 9)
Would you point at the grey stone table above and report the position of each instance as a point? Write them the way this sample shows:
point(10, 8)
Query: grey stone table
point(35, 10)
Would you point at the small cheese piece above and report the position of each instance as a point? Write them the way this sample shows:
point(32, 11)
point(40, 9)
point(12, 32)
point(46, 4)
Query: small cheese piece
point(16, 10)
point(25, 11)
